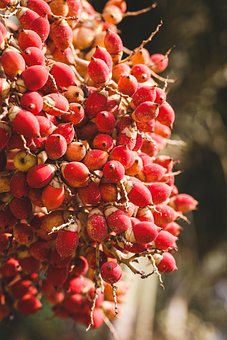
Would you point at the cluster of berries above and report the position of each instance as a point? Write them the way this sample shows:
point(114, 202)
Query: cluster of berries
point(84, 189)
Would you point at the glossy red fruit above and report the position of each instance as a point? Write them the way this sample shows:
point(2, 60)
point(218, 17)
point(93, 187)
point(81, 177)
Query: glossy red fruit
point(32, 101)
point(33, 56)
point(55, 146)
point(103, 54)
point(113, 172)
point(10, 267)
point(55, 104)
point(67, 242)
point(53, 195)
point(40, 175)
point(90, 195)
point(138, 193)
point(12, 62)
point(98, 71)
point(28, 304)
point(123, 155)
point(164, 214)
point(45, 125)
point(166, 263)
point(165, 240)
point(63, 74)
point(127, 84)
point(76, 174)
point(96, 225)
point(39, 6)
point(159, 62)
point(143, 94)
point(95, 103)
point(145, 112)
point(95, 159)
point(61, 34)
point(142, 233)
point(105, 121)
point(166, 115)
point(160, 192)
point(183, 203)
point(28, 38)
point(67, 131)
point(113, 43)
point(111, 272)
point(42, 27)
point(35, 77)
point(117, 220)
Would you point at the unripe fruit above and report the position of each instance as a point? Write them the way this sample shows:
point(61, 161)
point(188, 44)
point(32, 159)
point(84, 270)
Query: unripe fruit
point(24, 160)
point(96, 226)
point(113, 171)
point(76, 174)
point(142, 233)
point(141, 56)
point(76, 151)
point(35, 77)
point(111, 272)
point(55, 146)
point(112, 14)
point(59, 7)
point(98, 71)
point(63, 74)
point(138, 193)
point(40, 175)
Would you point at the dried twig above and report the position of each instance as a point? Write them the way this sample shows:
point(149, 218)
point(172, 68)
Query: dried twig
point(141, 11)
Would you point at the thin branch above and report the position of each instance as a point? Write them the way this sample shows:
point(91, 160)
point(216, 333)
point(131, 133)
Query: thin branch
point(144, 42)
point(141, 11)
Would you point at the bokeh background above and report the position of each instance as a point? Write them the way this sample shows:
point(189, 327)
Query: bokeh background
point(194, 303)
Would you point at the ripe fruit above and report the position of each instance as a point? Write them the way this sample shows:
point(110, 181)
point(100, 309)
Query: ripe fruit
point(40, 175)
point(76, 174)
point(63, 74)
point(138, 193)
point(55, 146)
point(113, 171)
point(53, 195)
point(142, 233)
point(96, 226)
point(35, 77)
point(98, 71)
point(111, 272)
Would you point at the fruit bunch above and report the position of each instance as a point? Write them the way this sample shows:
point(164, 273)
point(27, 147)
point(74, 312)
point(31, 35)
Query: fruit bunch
point(84, 189)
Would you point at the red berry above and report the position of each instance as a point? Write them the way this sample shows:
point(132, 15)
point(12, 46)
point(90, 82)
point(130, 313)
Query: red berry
point(111, 272)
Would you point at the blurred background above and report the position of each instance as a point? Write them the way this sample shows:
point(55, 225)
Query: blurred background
point(194, 302)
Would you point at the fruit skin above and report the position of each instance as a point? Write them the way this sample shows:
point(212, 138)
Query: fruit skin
point(63, 74)
point(66, 242)
point(165, 240)
point(98, 71)
point(53, 195)
point(12, 63)
point(166, 263)
point(138, 193)
point(117, 220)
point(28, 304)
point(24, 160)
point(55, 146)
point(111, 272)
point(35, 77)
point(40, 175)
point(113, 171)
point(75, 173)
point(183, 203)
point(142, 233)
point(96, 225)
